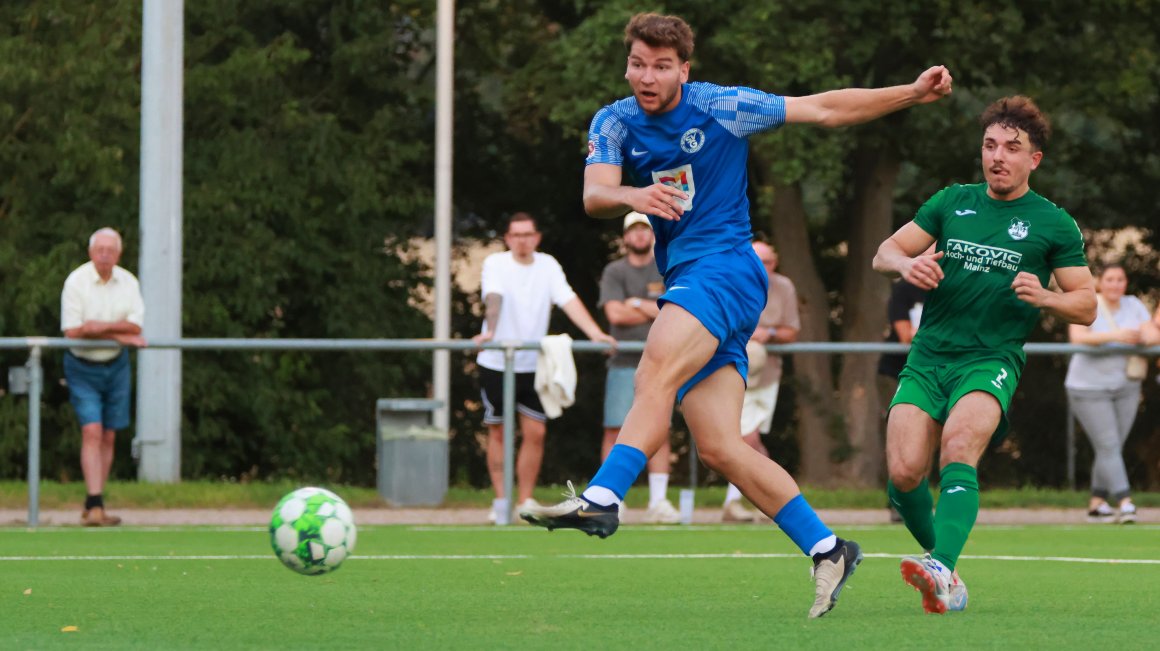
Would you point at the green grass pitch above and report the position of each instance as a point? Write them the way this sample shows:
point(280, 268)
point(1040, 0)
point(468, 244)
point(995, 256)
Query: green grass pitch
point(517, 587)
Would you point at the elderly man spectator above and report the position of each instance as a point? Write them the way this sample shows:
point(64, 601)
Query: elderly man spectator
point(100, 300)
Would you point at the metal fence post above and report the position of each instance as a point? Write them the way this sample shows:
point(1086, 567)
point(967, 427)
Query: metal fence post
point(35, 381)
point(509, 430)
point(1070, 429)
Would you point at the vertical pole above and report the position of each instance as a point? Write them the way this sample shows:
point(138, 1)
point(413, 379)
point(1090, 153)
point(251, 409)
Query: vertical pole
point(692, 462)
point(1070, 447)
point(509, 427)
point(159, 371)
point(35, 382)
point(444, 106)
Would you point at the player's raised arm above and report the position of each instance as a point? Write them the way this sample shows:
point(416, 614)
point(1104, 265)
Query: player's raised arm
point(908, 253)
point(606, 198)
point(848, 106)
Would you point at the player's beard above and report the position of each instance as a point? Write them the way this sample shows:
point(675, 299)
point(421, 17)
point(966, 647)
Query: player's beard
point(639, 250)
point(1001, 188)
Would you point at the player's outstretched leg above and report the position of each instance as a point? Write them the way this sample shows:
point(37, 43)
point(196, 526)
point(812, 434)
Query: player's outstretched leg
point(575, 513)
point(932, 579)
point(831, 570)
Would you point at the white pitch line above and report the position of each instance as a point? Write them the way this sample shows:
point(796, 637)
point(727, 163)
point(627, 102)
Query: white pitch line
point(593, 557)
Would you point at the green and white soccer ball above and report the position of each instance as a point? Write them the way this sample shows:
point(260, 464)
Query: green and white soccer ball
point(312, 531)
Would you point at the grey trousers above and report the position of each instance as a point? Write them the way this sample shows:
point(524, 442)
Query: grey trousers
point(1107, 417)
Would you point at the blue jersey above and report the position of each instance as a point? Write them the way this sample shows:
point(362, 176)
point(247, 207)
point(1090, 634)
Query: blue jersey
point(700, 147)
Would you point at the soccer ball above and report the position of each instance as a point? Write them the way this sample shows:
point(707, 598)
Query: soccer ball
point(312, 531)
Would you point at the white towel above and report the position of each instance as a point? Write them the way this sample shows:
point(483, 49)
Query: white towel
point(555, 374)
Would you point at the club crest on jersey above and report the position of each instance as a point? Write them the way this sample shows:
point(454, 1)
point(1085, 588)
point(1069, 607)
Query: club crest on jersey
point(692, 141)
point(1018, 228)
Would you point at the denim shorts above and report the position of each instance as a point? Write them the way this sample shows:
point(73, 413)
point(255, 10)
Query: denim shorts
point(618, 394)
point(99, 391)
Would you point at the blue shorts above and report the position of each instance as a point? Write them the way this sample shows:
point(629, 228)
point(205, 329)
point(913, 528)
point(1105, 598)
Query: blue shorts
point(99, 391)
point(726, 292)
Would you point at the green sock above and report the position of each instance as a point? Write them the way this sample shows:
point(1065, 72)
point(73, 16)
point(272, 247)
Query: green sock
point(958, 506)
point(915, 509)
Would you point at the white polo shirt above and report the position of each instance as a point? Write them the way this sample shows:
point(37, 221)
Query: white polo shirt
point(528, 291)
point(88, 298)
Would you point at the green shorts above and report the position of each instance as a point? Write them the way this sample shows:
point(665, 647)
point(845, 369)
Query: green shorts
point(936, 389)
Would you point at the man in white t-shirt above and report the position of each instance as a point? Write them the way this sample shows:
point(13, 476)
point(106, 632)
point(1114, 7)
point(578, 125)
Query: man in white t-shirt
point(100, 300)
point(519, 288)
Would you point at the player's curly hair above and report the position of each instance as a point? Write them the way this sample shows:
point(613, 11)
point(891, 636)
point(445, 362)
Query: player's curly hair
point(1019, 112)
point(656, 30)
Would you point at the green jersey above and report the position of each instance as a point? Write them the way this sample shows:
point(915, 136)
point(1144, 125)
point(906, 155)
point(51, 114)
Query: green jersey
point(986, 243)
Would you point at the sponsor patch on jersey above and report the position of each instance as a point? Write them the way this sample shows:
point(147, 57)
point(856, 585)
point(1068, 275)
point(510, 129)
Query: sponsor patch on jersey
point(692, 141)
point(983, 258)
point(1018, 228)
point(680, 178)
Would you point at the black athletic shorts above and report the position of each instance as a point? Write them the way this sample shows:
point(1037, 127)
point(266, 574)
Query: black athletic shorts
point(491, 390)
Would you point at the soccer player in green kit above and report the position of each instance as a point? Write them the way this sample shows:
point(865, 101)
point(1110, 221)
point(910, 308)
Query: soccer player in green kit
point(998, 243)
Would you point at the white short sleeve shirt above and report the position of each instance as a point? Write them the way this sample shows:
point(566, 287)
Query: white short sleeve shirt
point(529, 291)
point(88, 298)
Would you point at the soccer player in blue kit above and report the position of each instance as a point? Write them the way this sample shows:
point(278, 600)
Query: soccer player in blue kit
point(684, 147)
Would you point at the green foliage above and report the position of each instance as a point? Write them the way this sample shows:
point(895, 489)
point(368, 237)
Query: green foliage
point(309, 162)
point(302, 171)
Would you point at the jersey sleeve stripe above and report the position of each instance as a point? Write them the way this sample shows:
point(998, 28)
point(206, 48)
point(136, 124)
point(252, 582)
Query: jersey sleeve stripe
point(606, 137)
point(742, 111)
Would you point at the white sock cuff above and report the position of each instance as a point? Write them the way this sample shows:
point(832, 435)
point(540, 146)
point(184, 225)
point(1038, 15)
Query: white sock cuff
point(600, 496)
point(824, 545)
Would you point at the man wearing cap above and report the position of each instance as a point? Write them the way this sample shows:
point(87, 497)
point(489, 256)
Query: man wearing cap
point(629, 288)
point(779, 323)
point(100, 300)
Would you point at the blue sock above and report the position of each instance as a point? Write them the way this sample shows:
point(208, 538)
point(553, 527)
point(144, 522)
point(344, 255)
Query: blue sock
point(620, 469)
point(803, 526)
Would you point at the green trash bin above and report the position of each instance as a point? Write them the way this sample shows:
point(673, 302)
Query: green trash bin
point(412, 453)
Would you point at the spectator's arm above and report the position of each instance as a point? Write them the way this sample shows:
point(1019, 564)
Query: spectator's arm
point(621, 313)
point(1150, 332)
point(491, 307)
point(1081, 334)
point(104, 330)
point(905, 331)
point(579, 315)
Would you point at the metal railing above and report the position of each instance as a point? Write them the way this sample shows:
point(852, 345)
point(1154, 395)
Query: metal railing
point(34, 374)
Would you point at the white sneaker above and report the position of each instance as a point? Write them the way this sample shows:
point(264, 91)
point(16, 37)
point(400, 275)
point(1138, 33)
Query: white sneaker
point(493, 517)
point(662, 512)
point(931, 578)
point(1127, 513)
point(735, 512)
point(525, 505)
point(1103, 514)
